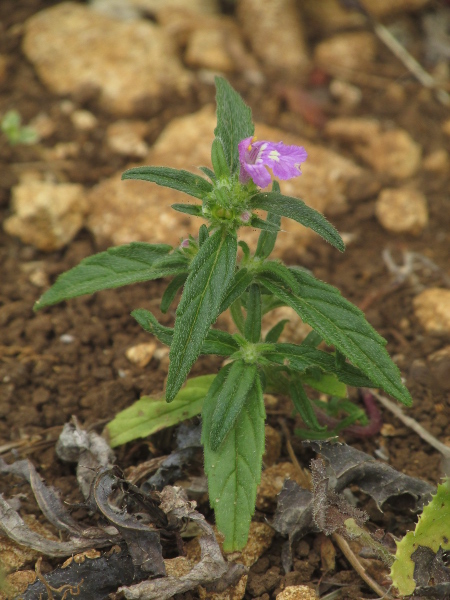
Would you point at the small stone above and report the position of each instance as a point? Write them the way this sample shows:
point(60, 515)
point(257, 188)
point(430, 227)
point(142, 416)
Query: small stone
point(446, 127)
point(437, 161)
point(132, 64)
point(297, 592)
point(43, 125)
point(388, 430)
point(392, 152)
point(262, 23)
point(346, 52)
point(440, 367)
point(62, 151)
point(384, 8)
point(84, 120)
point(272, 481)
point(46, 215)
point(207, 49)
point(352, 129)
point(432, 309)
point(141, 354)
point(348, 95)
point(402, 210)
point(330, 16)
point(126, 138)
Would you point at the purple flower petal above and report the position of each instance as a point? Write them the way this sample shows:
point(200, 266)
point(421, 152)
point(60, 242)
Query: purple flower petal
point(255, 156)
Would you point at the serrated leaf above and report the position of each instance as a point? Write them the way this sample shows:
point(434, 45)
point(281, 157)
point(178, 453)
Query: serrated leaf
point(432, 531)
point(149, 415)
point(234, 471)
point(189, 209)
point(216, 341)
point(230, 400)
point(297, 210)
point(252, 329)
point(344, 326)
point(304, 358)
point(303, 405)
point(210, 274)
point(274, 334)
point(116, 267)
point(234, 121)
point(240, 282)
point(176, 179)
point(171, 291)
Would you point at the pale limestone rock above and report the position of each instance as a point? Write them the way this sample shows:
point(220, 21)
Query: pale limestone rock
point(437, 161)
point(46, 215)
point(297, 592)
point(132, 63)
point(84, 120)
point(432, 309)
point(126, 138)
point(402, 210)
point(276, 34)
point(352, 129)
point(207, 49)
point(348, 95)
point(43, 125)
point(272, 481)
point(346, 52)
point(329, 16)
point(125, 211)
point(141, 354)
point(392, 152)
point(386, 8)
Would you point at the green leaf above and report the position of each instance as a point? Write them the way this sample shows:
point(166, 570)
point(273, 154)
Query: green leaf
point(293, 208)
point(208, 172)
point(236, 314)
point(183, 181)
point(203, 235)
point(171, 291)
point(240, 282)
point(230, 400)
point(266, 226)
point(216, 341)
point(234, 121)
point(210, 274)
point(312, 339)
point(279, 271)
point(266, 240)
point(234, 471)
point(327, 383)
point(116, 267)
point(149, 415)
point(274, 334)
point(252, 329)
point(344, 326)
point(219, 161)
point(432, 532)
point(303, 405)
point(245, 248)
point(189, 209)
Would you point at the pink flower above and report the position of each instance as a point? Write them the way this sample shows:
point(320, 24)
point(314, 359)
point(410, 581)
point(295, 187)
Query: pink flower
point(256, 156)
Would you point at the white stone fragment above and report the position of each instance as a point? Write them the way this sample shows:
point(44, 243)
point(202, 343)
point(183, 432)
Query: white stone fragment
point(432, 309)
point(402, 210)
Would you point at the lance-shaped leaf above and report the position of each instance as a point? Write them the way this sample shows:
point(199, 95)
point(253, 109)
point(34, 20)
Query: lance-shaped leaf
point(189, 209)
point(297, 210)
point(234, 471)
point(273, 334)
point(171, 291)
point(240, 282)
point(303, 405)
point(230, 400)
point(302, 358)
point(216, 341)
point(344, 326)
point(177, 179)
point(264, 225)
point(210, 274)
point(267, 239)
point(234, 121)
point(149, 415)
point(116, 267)
point(252, 330)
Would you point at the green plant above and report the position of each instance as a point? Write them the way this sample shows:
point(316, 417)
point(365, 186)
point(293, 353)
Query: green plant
point(216, 278)
point(16, 133)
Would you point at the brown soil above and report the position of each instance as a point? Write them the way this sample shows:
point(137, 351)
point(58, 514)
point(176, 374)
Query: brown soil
point(44, 381)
